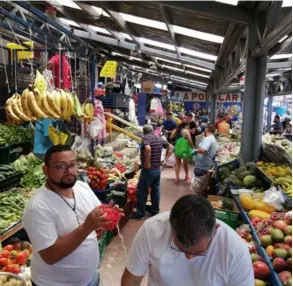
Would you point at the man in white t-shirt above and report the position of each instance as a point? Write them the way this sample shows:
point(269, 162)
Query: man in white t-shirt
point(188, 247)
point(60, 220)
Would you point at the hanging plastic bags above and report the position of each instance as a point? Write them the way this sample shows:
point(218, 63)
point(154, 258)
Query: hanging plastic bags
point(183, 149)
point(159, 108)
point(95, 128)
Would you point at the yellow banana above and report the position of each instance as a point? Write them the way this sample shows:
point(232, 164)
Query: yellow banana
point(11, 114)
point(16, 110)
point(63, 103)
point(57, 99)
point(69, 106)
point(51, 99)
point(32, 103)
point(25, 106)
point(47, 108)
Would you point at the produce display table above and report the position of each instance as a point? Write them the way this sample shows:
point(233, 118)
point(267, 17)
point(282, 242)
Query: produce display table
point(274, 278)
point(11, 231)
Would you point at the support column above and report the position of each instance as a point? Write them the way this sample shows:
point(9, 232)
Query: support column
point(213, 105)
point(93, 77)
point(254, 95)
point(270, 112)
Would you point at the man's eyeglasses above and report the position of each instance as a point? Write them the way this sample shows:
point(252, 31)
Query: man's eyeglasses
point(64, 167)
point(204, 253)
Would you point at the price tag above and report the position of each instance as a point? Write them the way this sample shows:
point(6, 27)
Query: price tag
point(109, 69)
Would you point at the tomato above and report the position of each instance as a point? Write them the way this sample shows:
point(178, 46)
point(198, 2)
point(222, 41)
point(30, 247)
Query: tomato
point(113, 216)
point(8, 247)
point(21, 258)
point(5, 253)
point(4, 261)
point(13, 268)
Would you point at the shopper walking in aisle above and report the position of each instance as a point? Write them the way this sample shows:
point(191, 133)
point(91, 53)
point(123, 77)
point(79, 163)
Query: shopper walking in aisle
point(188, 246)
point(223, 127)
point(277, 127)
point(150, 156)
point(169, 125)
point(205, 155)
point(182, 132)
point(60, 220)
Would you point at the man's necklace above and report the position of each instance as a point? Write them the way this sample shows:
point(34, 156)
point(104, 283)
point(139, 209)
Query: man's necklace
point(74, 200)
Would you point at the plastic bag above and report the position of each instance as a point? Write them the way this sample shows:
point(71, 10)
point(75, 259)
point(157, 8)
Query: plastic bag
point(77, 143)
point(274, 198)
point(183, 149)
point(95, 128)
point(159, 109)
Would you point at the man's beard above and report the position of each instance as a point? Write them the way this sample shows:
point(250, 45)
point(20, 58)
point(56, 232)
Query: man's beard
point(62, 184)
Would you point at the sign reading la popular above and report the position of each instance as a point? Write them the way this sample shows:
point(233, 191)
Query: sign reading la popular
point(202, 97)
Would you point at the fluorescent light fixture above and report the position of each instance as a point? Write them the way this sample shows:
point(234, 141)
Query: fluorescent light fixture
point(273, 74)
point(137, 85)
point(198, 74)
point(230, 2)
point(135, 59)
point(144, 21)
point(198, 68)
point(100, 30)
point(117, 54)
point(198, 35)
point(198, 54)
point(69, 22)
point(283, 39)
point(281, 56)
point(285, 69)
point(126, 36)
point(66, 3)
point(157, 44)
point(287, 3)
point(198, 82)
point(168, 61)
point(100, 11)
point(173, 68)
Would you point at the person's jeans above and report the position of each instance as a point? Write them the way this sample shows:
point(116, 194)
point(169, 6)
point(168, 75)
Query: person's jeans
point(149, 178)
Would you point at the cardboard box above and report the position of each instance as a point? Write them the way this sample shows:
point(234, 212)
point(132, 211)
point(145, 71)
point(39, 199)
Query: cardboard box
point(148, 87)
point(229, 217)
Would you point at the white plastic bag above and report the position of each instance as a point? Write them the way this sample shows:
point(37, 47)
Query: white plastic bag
point(95, 128)
point(77, 143)
point(274, 198)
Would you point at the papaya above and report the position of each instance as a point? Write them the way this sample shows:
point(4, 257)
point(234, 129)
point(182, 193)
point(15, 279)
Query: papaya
point(261, 206)
point(258, 214)
point(246, 201)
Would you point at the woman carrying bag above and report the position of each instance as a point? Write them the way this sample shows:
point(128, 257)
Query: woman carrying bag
point(183, 149)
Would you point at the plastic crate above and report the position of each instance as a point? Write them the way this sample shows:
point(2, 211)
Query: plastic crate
point(115, 101)
point(11, 182)
point(4, 155)
point(104, 241)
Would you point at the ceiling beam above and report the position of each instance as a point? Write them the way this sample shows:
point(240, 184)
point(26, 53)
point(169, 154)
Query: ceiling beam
point(151, 51)
point(283, 29)
point(109, 7)
point(169, 23)
point(212, 9)
point(26, 5)
point(281, 46)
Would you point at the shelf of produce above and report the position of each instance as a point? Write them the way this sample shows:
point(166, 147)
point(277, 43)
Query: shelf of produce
point(11, 231)
point(234, 163)
point(274, 278)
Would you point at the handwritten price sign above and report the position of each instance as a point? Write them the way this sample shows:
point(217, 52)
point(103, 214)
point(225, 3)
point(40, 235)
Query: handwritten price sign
point(109, 69)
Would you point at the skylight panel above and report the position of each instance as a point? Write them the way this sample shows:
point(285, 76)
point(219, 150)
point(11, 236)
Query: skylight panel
point(273, 74)
point(100, 11)
point(157, 44)
point(69, 22)
point(168, 61)
point(173, 68)
point(198, 54)
point(287, 3)
point(283, 39)
point(100, 30)
point(281, 56)
point(198, 35)
point(144, 21)
point(230, 2)
point(198, 68)
point(198, 74)
point(66, 3)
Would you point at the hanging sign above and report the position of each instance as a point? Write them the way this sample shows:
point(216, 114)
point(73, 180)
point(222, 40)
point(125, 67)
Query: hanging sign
point(230, 97)
point(109, 69)
point(191, 96)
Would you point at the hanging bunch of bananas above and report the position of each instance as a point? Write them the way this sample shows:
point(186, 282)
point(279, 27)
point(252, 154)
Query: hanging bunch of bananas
point(88, 112)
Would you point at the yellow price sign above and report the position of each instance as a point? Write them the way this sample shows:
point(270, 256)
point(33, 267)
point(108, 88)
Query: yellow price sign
point(57, 137)
point(109, 69)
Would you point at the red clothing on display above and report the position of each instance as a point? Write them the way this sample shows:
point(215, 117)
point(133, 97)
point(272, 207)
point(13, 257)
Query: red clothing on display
point(66, 72)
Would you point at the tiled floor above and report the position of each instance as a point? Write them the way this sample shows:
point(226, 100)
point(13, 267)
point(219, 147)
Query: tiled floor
point(115, 259)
